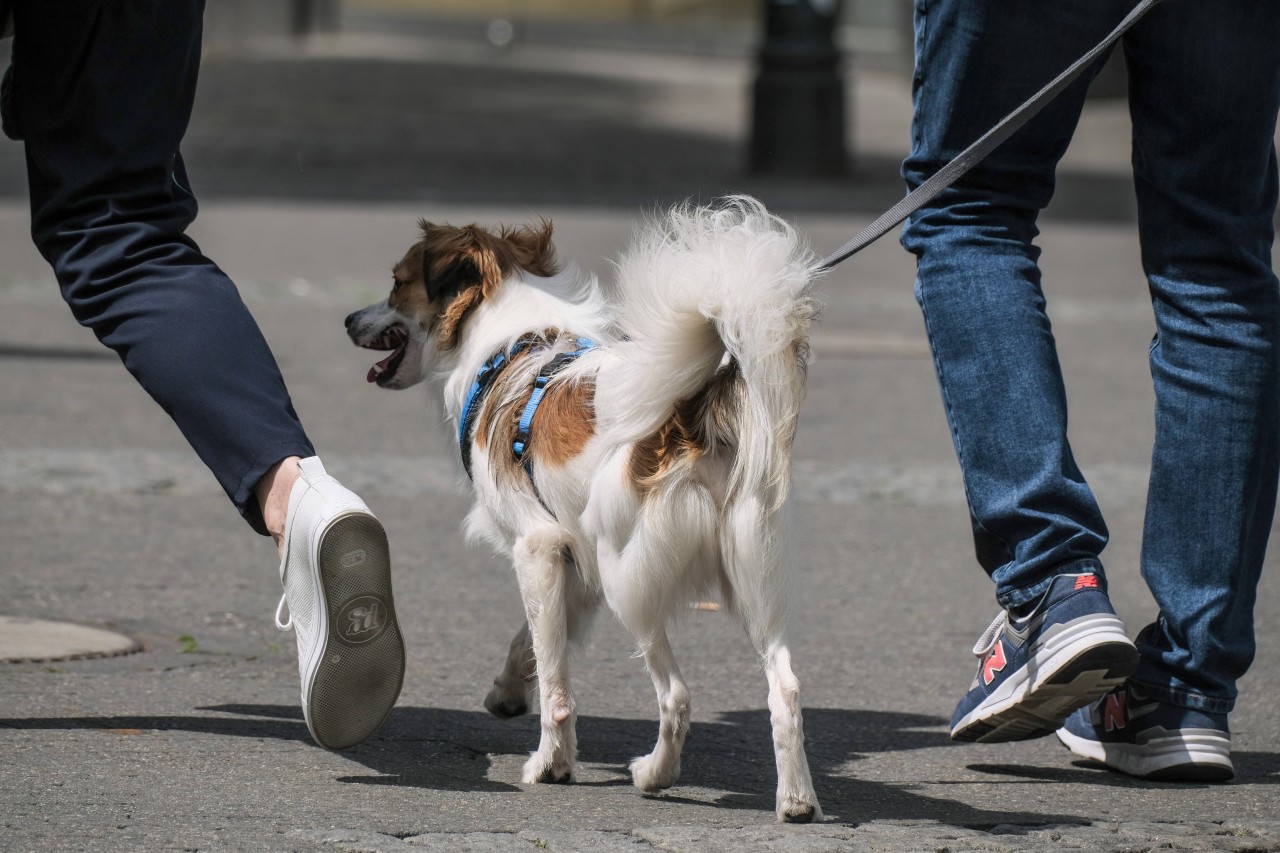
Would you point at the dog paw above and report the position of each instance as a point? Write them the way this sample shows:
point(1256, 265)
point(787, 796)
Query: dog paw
point(794, 809)
point(649, 774)
point(540, 771)
point(505, 704)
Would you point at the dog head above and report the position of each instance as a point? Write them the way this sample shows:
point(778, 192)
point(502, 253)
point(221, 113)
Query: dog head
point(436, 287)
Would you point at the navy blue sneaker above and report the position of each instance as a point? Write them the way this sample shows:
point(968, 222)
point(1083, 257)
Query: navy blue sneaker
point(1136, 734)
point(1035, 670)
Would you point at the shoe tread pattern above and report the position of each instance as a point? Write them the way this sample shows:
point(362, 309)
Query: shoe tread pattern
point(355, 686)
point(1081, 680)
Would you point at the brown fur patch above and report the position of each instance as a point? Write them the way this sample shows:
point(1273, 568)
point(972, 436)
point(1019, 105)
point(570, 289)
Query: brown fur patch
point(408, 293)
point(498, 404)
point(498, 421)
point(564, 423)
point(449, 321)
point(561, 428)
point(472, 262)
point(492, 256)
point(698, 423)
point(655, 456)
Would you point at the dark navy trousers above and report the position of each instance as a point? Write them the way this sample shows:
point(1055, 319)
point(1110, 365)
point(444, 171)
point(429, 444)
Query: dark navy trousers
point(101, 93)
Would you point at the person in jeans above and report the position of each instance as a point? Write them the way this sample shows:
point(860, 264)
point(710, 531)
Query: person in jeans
point(1204, 90)
point(100, 93)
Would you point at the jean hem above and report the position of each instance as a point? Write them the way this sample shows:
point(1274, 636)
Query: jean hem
point(1183, 697)
point(1011, 598)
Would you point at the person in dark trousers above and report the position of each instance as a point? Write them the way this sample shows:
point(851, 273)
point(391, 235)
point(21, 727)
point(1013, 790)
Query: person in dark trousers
point(1204, 90)
point(100, 93)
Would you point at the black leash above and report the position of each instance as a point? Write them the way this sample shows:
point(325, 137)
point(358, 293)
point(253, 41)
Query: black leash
point(971, 156)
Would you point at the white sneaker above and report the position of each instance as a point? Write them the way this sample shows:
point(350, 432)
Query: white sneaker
point(336, 573)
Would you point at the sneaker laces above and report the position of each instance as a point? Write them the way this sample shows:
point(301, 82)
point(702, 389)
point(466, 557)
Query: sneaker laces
point(283, 625)
point(987, 641)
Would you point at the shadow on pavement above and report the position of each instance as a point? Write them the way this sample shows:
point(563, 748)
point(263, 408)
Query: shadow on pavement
point(1253, 768)
point(449, 750)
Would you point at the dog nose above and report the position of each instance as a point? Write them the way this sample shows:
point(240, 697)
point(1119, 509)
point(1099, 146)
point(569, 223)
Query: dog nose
point(350, 321)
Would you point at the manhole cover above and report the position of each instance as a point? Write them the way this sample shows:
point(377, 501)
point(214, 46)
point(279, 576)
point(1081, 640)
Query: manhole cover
point(40, 640)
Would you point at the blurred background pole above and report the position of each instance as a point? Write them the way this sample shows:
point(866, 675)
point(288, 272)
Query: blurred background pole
point(797, 117)
point(229, 25)
point(316, 16)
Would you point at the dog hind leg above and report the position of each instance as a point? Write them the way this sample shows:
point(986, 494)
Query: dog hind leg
point(662, 561)
point(543, 573)
point(754, 549)
point(512, 691)
point(797, 802)
point(661, 768)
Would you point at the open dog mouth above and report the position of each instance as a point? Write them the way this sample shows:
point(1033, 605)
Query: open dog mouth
point(394, 338)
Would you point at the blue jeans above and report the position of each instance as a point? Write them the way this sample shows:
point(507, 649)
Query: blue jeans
point(1204, 93)
point(101, 94)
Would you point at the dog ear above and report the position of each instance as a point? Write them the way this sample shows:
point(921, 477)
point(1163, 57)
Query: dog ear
point(531, 249)
point(455, 259)
point(452, 280)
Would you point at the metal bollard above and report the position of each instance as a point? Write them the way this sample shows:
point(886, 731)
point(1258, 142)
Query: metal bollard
point(798, 115)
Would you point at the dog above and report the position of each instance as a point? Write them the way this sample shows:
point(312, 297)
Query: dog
point(630, 444)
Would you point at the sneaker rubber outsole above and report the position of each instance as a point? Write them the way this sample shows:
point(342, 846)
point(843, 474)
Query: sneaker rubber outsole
point(1187, 755)
point(357, 669)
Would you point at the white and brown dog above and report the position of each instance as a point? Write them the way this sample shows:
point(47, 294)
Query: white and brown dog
point(632, 446)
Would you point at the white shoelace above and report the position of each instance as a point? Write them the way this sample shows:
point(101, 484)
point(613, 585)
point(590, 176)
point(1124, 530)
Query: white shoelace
point(284, 604)
point(989, 637)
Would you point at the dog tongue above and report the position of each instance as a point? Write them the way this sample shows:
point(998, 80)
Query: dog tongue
point(377, 369)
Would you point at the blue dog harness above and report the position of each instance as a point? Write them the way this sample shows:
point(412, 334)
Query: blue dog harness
point(550, 369)
point(489, 373)
point(484, 380)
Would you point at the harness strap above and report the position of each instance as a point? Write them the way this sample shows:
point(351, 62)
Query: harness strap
point(550, 369)
point(971, 156)
point(521, 443)
point(485, 377)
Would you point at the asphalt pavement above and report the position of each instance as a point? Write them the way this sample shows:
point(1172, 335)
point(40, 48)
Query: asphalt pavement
point(313, 166)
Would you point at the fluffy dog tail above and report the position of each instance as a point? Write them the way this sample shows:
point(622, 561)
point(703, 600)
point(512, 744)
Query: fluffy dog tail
point(701, 283)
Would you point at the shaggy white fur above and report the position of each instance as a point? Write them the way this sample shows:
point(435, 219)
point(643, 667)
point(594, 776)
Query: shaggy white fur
point(710, 305)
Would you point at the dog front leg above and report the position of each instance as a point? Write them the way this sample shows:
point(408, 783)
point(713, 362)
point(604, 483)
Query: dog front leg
point(542, 570)
point(513, 688)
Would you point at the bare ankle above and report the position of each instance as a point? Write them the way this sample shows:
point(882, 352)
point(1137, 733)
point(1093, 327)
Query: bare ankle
point(273, 496)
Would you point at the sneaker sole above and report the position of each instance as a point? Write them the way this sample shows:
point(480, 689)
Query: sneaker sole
point(1193, 755)
point(1089, 657)
point(357, 671)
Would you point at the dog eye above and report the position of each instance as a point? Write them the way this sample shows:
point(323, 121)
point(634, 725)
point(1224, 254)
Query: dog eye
point(396, 284)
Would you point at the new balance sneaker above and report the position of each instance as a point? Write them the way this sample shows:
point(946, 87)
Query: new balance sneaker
point(1136, 734)
point(336, 572)
point(1035, 670)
